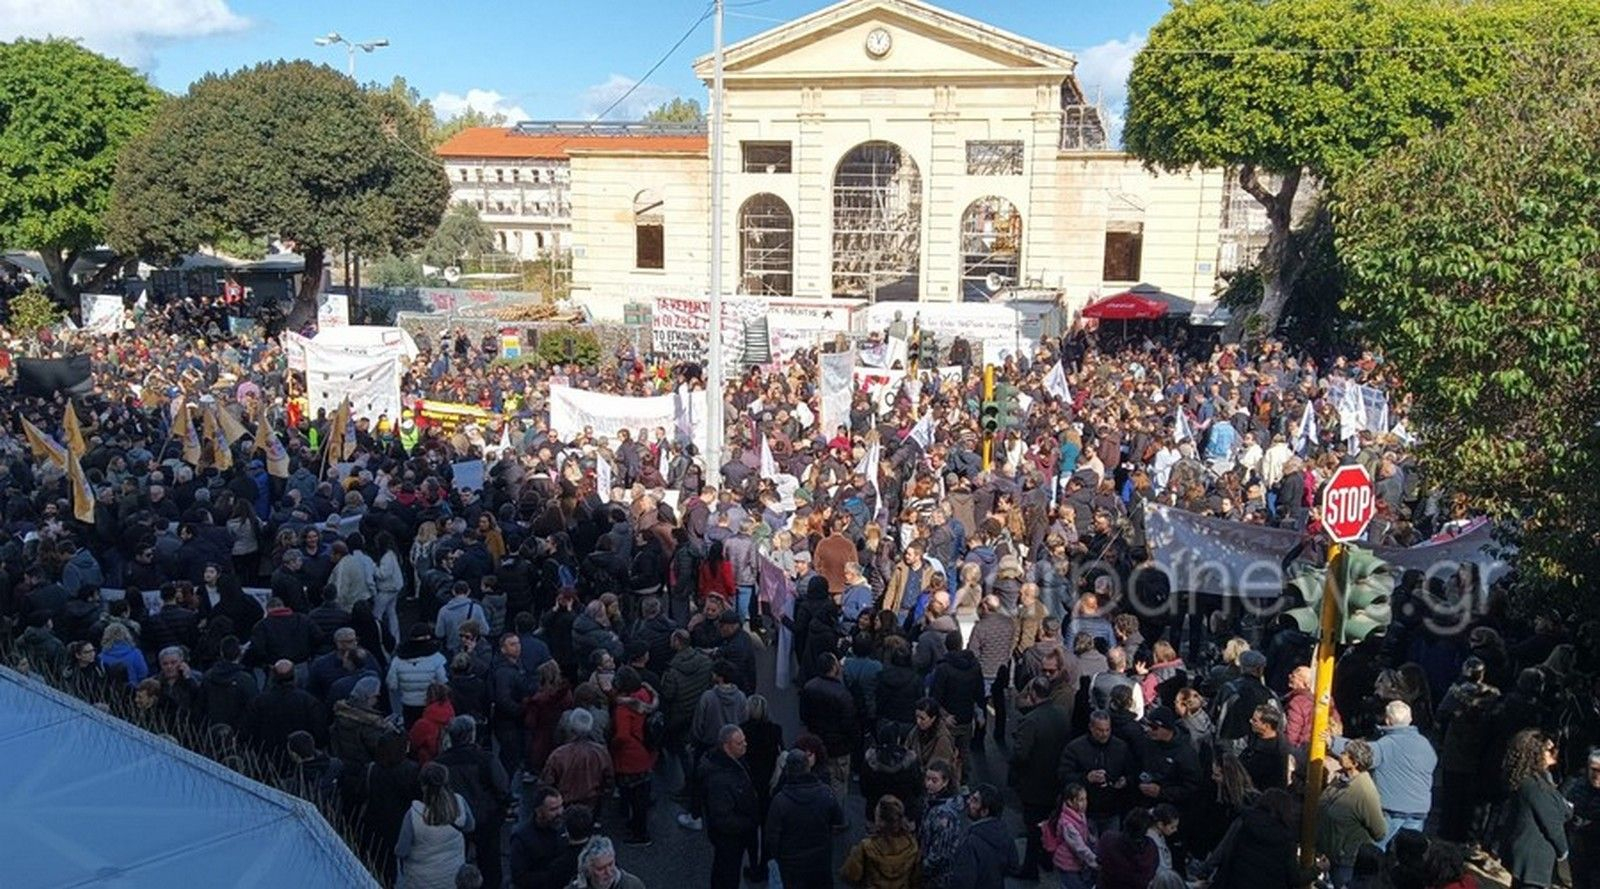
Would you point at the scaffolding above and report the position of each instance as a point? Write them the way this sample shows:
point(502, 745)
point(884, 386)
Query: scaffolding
point(991, 247)
point(766, 247)
point(877, 224)
point(1083, 125)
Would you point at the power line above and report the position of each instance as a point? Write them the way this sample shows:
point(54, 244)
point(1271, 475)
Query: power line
point(659, 62)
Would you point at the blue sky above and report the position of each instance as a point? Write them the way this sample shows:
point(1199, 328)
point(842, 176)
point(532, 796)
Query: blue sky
point(541, 59)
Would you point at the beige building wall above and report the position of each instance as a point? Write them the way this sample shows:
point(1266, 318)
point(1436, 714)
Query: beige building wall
point(605, 185)
point(945, 81)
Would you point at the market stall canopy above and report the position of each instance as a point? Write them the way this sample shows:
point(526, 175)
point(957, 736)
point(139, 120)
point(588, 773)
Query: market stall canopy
point(1144, 302)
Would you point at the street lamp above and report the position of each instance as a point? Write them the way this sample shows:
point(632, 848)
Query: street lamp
point(367, 46)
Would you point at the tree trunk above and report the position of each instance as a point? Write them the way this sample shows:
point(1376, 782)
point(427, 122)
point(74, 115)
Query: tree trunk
point(59, 264)
point(1280, 264)
point(305, 299)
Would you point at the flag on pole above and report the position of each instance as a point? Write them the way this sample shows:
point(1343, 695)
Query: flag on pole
point(72, 431)
point(82, 494)
point(1306, 434)
point(267, 442)
point(869, 465)
point(333, 451)
point(43, 446)
point(769, 466)
point(602, 478)
point(231, 428)
point(221, 453)
point(505, 438)
point(1055, 383)
point(922, 433)
point(183, 429)
point(1181, 430)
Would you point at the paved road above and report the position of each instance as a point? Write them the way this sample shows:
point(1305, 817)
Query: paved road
point(681, 859)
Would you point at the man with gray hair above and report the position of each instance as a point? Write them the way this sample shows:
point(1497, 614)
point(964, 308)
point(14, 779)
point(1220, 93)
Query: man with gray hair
point(597, 868)
point(581, 768)
point(1402, 766)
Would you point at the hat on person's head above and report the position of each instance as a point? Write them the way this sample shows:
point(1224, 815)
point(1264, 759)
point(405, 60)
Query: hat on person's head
point(635, 649)
point(803, 556)
point(365, 687)
point(420, 630)
point(1161, 717)
point(1252, 660)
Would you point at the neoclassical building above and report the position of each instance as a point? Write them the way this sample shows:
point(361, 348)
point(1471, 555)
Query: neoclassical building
point(890, 150)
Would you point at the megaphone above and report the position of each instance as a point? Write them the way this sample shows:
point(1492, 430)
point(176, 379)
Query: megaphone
point(452, 274)
point(995, 281)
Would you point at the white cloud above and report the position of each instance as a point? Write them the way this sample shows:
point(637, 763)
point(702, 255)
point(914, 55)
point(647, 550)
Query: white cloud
point(595, 99)
point(447, 105)
point(1103, 71)
point(129, 30)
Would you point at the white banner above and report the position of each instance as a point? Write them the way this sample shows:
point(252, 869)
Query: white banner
point(102, 313)
point(333, 310)
point(679, 324)
point(574, 410)
point(373, 386)
point(835, 370)
point(997, 326)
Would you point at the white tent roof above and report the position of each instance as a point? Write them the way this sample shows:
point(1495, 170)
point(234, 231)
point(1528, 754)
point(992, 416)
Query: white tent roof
point(89, 800)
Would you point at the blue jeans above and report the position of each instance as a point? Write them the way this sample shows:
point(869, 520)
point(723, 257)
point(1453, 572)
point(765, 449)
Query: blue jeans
point(1399, 821)
point(742, 597)
point(1075, 879)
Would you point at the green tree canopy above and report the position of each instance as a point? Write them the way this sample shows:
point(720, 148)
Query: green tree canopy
point(290, 149)
point(1279, 90)
point(65, 115)
point(679, 110)
point(1474, 258)
point(461, 235)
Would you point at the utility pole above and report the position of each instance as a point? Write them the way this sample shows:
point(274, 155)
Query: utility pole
point(714, 404)
point(988, 436)
point(1322, 701)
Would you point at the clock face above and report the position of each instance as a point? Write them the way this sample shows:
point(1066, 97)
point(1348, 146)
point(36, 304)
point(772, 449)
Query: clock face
point(879, 42)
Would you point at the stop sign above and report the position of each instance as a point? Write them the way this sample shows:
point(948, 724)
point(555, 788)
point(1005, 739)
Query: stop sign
point(1348, 503)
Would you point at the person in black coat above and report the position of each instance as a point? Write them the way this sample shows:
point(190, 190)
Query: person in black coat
point(738, 651)
point(1536, 815)
point(283, 634)
point(476, 774)
point(899, 687)
point(728, 803)
point(812, 602)
point(987, 852)
point(1101, 762)
point(281, 710)
point(890, 769)
point(227, 689)
point(800, 825)
point(538, 842)
point(958, 686)
point(1041, 736)
point(828, 710)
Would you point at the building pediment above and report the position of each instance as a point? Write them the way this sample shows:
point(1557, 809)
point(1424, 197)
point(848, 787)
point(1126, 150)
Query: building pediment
point(885, 39)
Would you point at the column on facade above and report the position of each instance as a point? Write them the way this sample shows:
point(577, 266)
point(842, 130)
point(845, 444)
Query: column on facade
point(1041, 230)
point(813, 223)
point(941, 235)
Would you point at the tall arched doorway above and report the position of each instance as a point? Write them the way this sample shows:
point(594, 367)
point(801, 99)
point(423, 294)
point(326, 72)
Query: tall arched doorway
point(766, 247)
point(991, 247)
point(877, 224)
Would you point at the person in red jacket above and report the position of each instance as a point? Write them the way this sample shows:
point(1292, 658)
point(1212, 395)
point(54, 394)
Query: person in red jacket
point(715, 574)
point(427, 731)
point(631, 758)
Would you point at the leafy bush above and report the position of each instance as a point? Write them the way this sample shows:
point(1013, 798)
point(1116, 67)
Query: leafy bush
point(33, 310)
point(554, 347)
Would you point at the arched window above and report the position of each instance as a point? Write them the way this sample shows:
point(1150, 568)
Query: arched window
point(500, 241)
point(766, 247)
point(991, 247)
point(877, 224)
point(649, 235)
point(538, 239)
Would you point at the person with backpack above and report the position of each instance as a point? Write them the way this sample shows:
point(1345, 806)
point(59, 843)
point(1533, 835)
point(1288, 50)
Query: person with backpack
point(634, 749)
point(1069, 841)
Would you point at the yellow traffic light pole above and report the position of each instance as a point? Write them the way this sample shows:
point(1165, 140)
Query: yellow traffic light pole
point(1331, 591)
point(988, 437)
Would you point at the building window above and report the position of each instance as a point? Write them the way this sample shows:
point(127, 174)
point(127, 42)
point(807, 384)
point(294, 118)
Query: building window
point(500, 241)
point(767, 157)
point(538, 239)
point(877, 224)
point(499, 175)
point(463, 174)
point(991, 247)
point(534, 174)
point(516, 175)
point(989, 158)
point(766, 247)
point(479, 171)
point(1124, 246)
point(649, 234)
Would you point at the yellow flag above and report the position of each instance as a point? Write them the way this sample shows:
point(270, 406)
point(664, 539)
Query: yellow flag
point(231, 428)
point(338, 434)
point(44, 447)
point(73, 432)
point(268, 443)
point(221, 454)
point(183, 429)
point(82, 494)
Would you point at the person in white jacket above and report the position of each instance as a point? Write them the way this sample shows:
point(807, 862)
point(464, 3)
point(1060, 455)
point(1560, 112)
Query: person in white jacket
point(355, 576)
point(388, 580)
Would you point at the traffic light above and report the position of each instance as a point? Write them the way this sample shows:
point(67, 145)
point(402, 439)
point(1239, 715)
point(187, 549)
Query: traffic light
point(1010, 405)
point(991, 416)
point(1365, 586)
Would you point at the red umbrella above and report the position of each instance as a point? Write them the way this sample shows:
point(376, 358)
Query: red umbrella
point(1126, 306)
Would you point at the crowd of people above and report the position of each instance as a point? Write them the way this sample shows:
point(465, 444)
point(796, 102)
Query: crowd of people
point(493, 687)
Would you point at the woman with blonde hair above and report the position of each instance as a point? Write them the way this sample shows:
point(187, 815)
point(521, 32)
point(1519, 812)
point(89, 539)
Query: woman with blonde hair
point(888, 858)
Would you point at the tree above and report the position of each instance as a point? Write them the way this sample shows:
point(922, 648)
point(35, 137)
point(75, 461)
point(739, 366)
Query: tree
point(32, 310)
point(1474, 260)
point(65, 115)
point(289, 149)
point(1283, 90)
point(678, 110)
point(393, 271)
point(440, 129)
point(461, 235)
